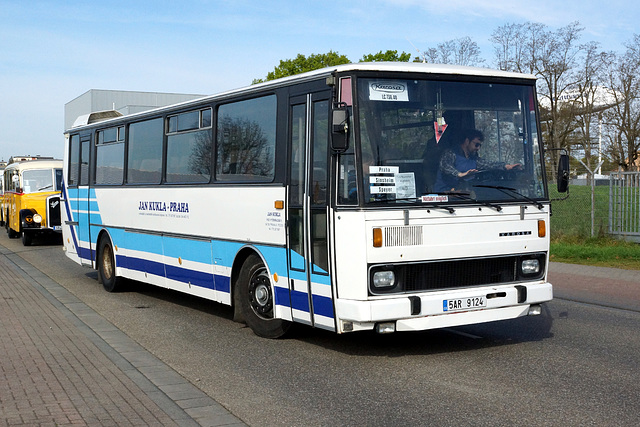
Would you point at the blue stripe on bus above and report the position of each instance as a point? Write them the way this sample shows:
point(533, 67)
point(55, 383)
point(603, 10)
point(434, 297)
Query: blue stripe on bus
point(223, 283)
point(139, 264)
point(282, 297)
point(85, 253)
point(300, 301)
point(179, 274)
point(322, 306)
point(201, 251)
point(193, 277)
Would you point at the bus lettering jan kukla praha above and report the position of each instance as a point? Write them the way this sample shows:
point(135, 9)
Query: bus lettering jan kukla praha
point(325, 198)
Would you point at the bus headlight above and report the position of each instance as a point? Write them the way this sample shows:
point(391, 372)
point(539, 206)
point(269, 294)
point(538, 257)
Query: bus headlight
point(384, 279)
point(37, 218)
point(530, 266)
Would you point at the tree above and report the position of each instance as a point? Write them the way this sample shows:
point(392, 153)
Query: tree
point(552, 56)
point(624, 115)
point(590, 98)
point(302, 64)
point(462, 51)
point(511, 47)
point(388, 56)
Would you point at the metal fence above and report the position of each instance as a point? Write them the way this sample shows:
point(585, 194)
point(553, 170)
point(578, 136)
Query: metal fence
point(624, 205)
point(585, 212)
point(597, 207)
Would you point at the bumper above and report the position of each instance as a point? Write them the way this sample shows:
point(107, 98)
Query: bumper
point(42, 230)
point(503, 302)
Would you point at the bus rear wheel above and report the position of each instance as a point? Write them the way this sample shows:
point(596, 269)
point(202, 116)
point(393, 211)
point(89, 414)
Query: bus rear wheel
point(107, 266)
point(11, 232)
point(257, 301)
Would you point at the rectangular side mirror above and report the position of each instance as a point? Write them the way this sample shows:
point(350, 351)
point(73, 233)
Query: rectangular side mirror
point(563, 173)
point(340, 128)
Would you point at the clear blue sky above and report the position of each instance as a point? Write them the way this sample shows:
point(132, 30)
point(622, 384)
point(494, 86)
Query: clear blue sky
point(53, 51)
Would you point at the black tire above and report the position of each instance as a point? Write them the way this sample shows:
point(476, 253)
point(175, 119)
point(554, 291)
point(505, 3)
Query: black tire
point(107, 267)
point(27, 239)
point(256, 300)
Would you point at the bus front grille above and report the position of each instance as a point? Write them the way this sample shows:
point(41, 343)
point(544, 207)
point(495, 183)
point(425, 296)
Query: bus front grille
point(53, 211)
point(464, 273)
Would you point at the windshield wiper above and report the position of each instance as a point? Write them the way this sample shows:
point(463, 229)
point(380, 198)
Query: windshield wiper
point(467, 196)
point(417, 199)
point(45, 187)
point(514, 191)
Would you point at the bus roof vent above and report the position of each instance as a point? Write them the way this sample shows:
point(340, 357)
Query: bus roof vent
point(98, 116)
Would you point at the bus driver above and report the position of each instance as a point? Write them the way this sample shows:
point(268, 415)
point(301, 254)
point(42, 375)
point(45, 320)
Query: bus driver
point(461, 165)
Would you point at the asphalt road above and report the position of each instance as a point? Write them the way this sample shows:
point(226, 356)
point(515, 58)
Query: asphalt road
point(576, 364)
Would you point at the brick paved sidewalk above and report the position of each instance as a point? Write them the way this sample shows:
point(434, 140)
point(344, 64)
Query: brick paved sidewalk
point(63, 364)
point(611, 287)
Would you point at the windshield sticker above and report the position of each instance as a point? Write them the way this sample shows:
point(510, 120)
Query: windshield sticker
point(379, 180)
point(405, 185)
point(440, 126)
point(382, 189)
point(388, 91)
point(434, 198)
point(382, 179)
point(384, 170)
point(389, 180)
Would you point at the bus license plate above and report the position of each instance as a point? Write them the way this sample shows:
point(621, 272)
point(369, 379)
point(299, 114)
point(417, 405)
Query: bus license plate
point(460, 304)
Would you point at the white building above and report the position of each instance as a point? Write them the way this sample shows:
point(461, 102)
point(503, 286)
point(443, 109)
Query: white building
point(125, 102)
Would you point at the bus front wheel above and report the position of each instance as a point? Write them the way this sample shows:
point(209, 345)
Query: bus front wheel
point(27, 238)
point(257, 302)
point(107, 266)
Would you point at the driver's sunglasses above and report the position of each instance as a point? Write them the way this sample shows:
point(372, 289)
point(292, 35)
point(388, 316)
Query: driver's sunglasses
point(478, 145)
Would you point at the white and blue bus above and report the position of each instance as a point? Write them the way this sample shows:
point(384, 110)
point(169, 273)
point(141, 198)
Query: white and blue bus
point(315, 199)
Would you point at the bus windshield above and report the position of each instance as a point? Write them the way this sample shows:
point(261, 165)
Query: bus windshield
point(428, 141)
point(37, 180)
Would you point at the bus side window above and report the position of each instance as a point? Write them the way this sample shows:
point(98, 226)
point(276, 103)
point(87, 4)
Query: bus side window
point(246, 140)
point(145, 152)
point(74, 160)
point(347, 184)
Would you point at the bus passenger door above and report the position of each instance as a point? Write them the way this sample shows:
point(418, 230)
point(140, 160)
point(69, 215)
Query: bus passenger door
point(83, 200)
point(76, 201)
point(309, 281)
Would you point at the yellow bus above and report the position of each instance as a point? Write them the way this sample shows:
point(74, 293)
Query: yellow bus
point(32, 199)
point(3, 165)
